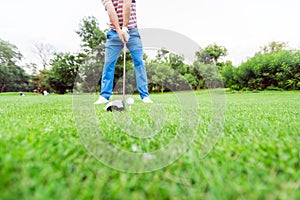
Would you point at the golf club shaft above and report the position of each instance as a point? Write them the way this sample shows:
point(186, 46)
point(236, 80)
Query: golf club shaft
point(124, 72)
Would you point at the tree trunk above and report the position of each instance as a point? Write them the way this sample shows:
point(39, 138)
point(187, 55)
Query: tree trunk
point(3, 87)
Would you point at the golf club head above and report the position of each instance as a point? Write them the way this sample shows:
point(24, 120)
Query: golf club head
point(117, 105)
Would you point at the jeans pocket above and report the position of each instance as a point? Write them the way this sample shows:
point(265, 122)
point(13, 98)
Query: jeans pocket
point(110, 34)
point(134, 33)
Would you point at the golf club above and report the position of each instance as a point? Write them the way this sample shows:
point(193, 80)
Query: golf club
point(119, 105)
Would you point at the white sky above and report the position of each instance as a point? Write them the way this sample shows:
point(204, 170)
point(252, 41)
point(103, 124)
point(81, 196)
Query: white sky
point(242, 26)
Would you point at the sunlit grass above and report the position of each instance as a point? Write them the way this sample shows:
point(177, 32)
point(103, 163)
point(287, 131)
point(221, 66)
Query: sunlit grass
point(257, 156)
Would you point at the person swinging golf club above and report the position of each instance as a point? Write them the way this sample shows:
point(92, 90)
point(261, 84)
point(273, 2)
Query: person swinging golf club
point(123, 32)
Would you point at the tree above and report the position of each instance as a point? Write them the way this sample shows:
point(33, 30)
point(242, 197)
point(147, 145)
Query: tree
point(208, 75)
point(273, 47)
point(160, 77)
point(162, 55)
point(32, 68)
point(93, 38)
point(211, 54)
point(205, 69)
point(173, 60)
point(272, 70)
point(227, 73)
point(45, 52)
point(93, 44)
point(61, 77)
point(12, 76)
point(164, 59)
point(198, 81)
point(9, 53)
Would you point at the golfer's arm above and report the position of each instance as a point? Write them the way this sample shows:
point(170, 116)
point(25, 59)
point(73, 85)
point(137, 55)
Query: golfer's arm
point(113, 17)
point(126, 12)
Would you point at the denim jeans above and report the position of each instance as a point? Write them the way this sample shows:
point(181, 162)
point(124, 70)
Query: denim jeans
point(113, 48)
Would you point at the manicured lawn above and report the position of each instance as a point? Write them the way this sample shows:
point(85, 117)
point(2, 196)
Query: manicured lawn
point(44, 154)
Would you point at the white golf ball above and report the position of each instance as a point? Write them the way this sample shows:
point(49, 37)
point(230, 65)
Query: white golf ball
point(129, 100)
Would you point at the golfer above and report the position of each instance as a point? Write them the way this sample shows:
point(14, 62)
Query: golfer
point(123, 29)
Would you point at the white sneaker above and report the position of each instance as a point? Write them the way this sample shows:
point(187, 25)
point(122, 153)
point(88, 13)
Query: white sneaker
point(101, 100)
point(147, 100)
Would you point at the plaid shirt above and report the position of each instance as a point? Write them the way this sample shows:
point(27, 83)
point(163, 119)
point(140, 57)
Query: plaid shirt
point(118, 4)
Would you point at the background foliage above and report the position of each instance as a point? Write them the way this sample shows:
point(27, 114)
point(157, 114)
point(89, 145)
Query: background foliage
point(274, 67)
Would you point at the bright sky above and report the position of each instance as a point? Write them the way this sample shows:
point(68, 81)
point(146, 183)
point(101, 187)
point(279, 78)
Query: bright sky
point(242, 26)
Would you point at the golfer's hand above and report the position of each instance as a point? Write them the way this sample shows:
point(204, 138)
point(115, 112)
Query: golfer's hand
point(125, 33)
point(120, 34)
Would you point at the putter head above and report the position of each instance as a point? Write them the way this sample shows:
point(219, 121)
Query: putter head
point(117, 105)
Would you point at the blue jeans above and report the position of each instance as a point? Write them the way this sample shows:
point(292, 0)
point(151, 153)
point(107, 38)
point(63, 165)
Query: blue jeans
point(113, 48)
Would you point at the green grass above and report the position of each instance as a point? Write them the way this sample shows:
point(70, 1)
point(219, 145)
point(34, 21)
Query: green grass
point(257, 156)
